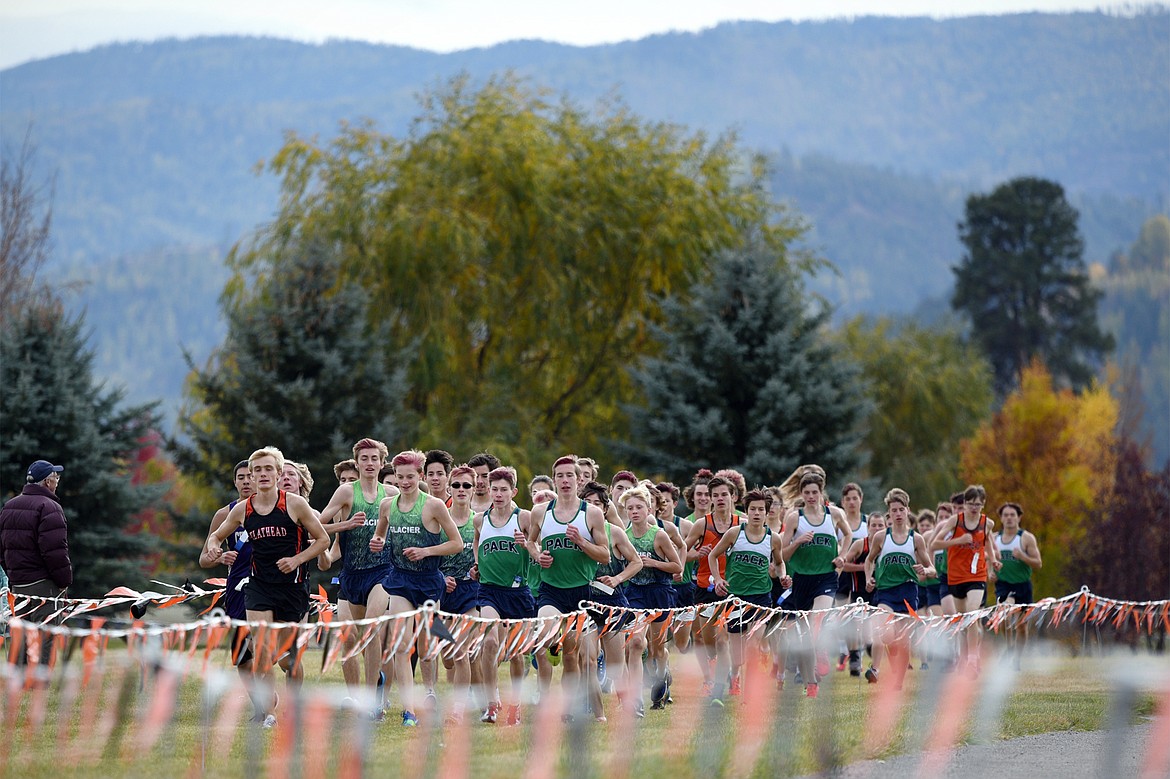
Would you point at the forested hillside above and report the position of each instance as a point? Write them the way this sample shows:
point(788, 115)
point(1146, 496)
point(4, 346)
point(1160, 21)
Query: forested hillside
point(878, 130)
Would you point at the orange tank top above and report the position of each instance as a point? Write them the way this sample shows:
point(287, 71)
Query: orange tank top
point(968, 562)
point(710, 538)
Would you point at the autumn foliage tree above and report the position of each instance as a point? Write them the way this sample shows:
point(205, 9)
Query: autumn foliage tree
point(1053, 452)
point(517, 246)
point(930, 390)
point(1129, 558)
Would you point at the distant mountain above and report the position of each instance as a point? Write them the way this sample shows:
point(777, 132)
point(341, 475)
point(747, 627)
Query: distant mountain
point(879, 128)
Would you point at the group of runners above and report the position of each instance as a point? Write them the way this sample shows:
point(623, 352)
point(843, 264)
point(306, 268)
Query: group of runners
point(417, 528)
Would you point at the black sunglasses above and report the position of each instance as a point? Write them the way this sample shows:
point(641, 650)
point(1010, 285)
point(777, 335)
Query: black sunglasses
point(461, 485)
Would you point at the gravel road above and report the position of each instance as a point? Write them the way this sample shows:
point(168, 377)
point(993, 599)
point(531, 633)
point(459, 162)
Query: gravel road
point(1059, 755)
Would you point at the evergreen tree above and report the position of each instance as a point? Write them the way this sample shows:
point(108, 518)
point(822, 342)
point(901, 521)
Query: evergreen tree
point(53, 409)
point(1024, 284)
point(299, 369)
point(746, 379)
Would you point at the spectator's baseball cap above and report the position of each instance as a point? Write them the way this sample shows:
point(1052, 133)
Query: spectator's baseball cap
point(40, 470)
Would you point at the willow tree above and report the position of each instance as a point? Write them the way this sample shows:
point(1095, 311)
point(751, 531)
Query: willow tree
point(517, 245)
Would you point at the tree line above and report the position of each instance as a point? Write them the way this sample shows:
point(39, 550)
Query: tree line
point(520, 274)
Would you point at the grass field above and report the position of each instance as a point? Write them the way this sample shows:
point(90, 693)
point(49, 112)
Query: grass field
point(768, 734)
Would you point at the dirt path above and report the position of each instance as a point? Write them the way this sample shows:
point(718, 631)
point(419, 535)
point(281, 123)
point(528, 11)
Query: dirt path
point(1064, 755)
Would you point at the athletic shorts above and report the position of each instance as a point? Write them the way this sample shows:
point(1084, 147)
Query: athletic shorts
point(356, 585)
point(900, 599)
point(684, 594)
point(961, 589)
point(929, 595)
point(744, 622)
point(651, 597)
point(943, 589)
point(233, 597)
point(565, 599)
point(1021, 590)
point(617, 598)
point(287, 602)
point(417, 587)
point(808, 587)
point(703, 596)
point(509, 602)
point(462, 599)
point(244, 656)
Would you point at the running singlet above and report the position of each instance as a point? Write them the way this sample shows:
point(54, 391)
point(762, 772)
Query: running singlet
point(355, 544)
point(458, 566)
point(895, 562)
point(747, 564)
point(1013, 570)
point(238, 542)
point(407, 530)
point(274, 536)
point(571, 567)
point(815, 557)
point(967, 562)
point(710, 538)
point(644, 546)
point(502, 562)
point(689, 566)
point(616, 564)
point(854, 580)
point(940, 559)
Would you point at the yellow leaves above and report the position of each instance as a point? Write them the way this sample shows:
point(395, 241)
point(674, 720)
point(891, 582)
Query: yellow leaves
point(1052, 451)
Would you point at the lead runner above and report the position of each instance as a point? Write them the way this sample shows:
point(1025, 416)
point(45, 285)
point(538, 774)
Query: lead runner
point(277, 523)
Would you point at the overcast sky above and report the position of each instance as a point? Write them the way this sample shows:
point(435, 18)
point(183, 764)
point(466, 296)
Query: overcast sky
point(34, 29)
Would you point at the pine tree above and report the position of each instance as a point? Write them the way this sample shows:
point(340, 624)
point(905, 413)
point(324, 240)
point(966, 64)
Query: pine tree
point(51, 408)
point(746, 379)
point(1024, 284)
point(299, 369)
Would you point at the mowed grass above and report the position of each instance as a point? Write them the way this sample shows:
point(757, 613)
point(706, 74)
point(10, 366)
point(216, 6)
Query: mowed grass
point(107, 730)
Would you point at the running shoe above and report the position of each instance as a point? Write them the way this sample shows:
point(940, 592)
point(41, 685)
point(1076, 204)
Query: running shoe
point(811, 690)
point(640, 710)
point(491, 713)
point(380, 690)
point(658, 693)
point(431, 701)
point(378, 715)
point(708, 688)
point(736, 687)
point(409, 720)
point(513, 718)
point(822, 665)
point(269, 722)
point(871, 675)
point(924, 667)
point(841, 662)
point(854, 663)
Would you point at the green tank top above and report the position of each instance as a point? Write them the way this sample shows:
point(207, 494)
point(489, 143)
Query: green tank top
point(458, 566)
point(815, 557)
point(940, 562)
point(1013, 570)
point(689, 566)
point(407, 530)
point(747, 564)
point(644, 546)
point(895, 563)
point(355, 543)
point(615, 565)
point(571, 567)
point(502, 562)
